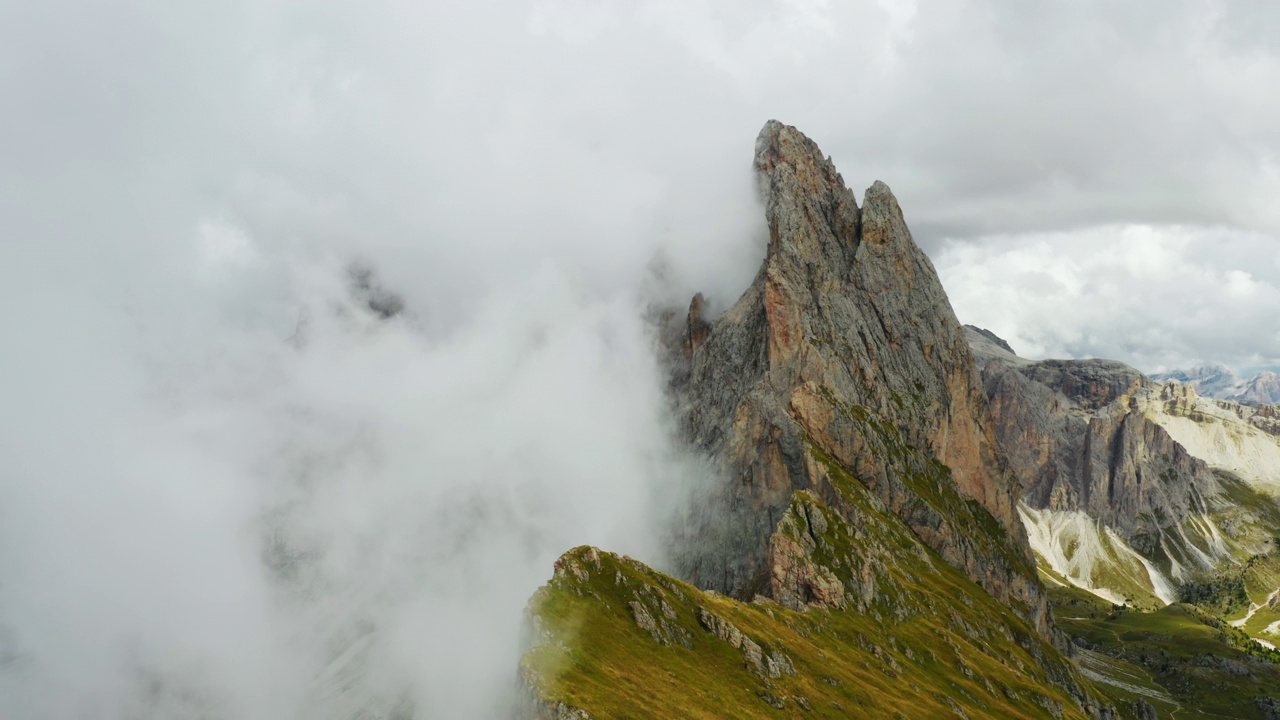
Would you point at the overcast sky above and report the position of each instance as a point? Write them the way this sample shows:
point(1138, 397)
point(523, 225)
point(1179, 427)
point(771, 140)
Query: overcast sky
point(223, 471)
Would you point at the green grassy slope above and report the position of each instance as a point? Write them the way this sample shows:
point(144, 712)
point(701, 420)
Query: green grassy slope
point(915, 637)
point(1247, 597)
point(592, 653)
point(1204, 667)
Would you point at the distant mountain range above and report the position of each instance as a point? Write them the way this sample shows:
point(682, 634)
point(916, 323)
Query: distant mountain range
point(1220, 382)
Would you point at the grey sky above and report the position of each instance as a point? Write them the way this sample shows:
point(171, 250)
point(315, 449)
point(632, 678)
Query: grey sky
point(207, 438)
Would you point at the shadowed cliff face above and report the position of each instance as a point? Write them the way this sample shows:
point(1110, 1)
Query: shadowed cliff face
point(843, 353)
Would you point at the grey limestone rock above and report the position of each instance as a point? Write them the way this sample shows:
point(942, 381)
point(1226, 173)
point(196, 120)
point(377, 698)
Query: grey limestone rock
point(1080, 436)
point(844, 342)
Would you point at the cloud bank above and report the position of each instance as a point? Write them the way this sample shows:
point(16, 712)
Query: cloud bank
point(1158, 297)
point(232, 489)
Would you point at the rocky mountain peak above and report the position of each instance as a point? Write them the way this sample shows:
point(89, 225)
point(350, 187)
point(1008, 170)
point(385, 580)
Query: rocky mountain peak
point(812, 215)
point(1261, 389)
point(796, 180)
point(844, 356)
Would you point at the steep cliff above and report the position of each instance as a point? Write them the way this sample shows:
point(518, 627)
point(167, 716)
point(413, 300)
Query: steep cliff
point(843, 347)
point(1131, 487)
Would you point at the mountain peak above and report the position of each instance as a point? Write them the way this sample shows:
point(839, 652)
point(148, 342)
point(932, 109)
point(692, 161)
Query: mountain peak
point(798, 183)
point(1220, 382)
point(843, 359)
point(882, 217)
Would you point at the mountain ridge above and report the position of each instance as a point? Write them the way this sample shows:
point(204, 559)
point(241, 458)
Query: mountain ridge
point(844, 307)
point(899, 499)
point(1132, 487)
point(858, 475)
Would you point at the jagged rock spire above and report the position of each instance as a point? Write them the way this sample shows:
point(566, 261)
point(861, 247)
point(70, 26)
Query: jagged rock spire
point(845, 331)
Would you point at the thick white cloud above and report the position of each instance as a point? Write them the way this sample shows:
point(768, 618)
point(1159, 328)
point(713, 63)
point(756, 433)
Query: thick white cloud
point(225, 480)
point(1157, 297)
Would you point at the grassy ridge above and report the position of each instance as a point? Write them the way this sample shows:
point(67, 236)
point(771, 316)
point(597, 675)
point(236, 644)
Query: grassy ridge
point(902, 633)
point(595, 656)
point(620, 640)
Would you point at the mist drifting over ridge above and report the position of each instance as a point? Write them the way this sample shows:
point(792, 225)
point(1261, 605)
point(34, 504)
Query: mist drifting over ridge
point(229, 489)
point(312, 510)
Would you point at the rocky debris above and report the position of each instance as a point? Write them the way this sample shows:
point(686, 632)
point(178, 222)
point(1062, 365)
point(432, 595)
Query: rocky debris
point(777, 664)
point(661, 623)
point(569, 563)
point(844, 342)
point(795, 580)
point(1269, 707)
point(645, 621)
point(1226, 665)
point(530, 705)
point(1266, 419)
point(534, 633)
point(558, 711)
point(772, 700)
point(1142, 710)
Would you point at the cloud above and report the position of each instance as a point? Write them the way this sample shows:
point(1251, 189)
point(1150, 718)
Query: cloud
point(1157, 297)
point(297, 506)
point(230, 487)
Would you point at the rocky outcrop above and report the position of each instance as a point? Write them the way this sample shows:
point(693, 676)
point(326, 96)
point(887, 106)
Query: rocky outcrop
point(865, 528)
point(845, 345)
point(761, 660)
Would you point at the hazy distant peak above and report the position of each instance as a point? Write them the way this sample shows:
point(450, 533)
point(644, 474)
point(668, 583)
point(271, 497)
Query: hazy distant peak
point(1220, 382)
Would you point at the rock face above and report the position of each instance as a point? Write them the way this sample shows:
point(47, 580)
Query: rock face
point(864, 529)
point(1071, 434)
point(843, 353)
point(1158, 472)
